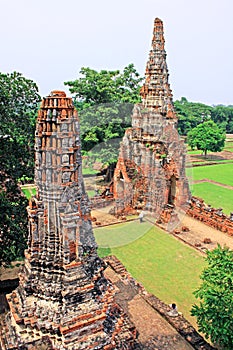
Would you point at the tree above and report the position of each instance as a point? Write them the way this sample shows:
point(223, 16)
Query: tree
point(94, 88)
point(19, 100)
point(18, 107)
point(105, 101)
point(190, 114)
point(223, 117)
point(215, 312)
point(207, 136)
point(13, 218)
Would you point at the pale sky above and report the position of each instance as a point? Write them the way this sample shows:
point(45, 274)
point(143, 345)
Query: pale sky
point(49, 41)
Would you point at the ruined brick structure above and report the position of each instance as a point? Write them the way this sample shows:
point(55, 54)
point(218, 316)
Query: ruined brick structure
point(150, 172)
point(63, 298)
point(210, 216)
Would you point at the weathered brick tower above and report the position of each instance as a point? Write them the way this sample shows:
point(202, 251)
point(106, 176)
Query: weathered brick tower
point(63, 299)
point(150, 172)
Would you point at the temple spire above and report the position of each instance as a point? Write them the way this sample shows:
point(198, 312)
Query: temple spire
point(156, 93)
point(150, 172)
point(63, 298)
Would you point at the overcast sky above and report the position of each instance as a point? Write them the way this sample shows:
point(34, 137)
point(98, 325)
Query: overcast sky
point(50, 40)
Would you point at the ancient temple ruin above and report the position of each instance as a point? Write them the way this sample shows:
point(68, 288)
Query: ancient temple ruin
point(63, 299)
point(150, 173)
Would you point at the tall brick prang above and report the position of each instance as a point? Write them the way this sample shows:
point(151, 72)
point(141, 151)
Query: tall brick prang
point(63, 299)
point(150, 173)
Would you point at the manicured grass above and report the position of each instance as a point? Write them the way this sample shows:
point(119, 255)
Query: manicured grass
point(208, 161)
point(215, 195)
point(165, 266)
point(29, 191)
point(89, 171)
point(195, 152)
point(221, 173)
point(121, 234)
point(91, 193)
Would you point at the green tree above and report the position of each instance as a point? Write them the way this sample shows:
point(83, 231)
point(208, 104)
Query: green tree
point(94, 88)
point(223, 116)
point(18, 107)
point(215, 311)
point(19, 100)
point(190, 114)
point(207, 136)
point(13, 218)
point(105, 101)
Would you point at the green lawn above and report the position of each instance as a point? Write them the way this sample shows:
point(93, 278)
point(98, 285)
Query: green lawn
point(29, 191)
point(121, 234)
point(214, 161)
point(91, 193)
point(89, 171)
point(165, 266)
point(222, 173)
point(195, 152)
point(230, 149)
point(215, 195)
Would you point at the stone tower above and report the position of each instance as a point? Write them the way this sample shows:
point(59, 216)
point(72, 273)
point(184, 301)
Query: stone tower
point(150, 173)
point(63, 299)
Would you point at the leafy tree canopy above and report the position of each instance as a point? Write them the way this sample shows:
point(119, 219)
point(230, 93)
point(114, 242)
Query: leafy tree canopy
point(19, 100)
point(13, 218)
point(191, 114)
point(94, 88)
point(18, 107)
point(215, 312)
point(207, 136)
point(223, 116)
point(105, 100)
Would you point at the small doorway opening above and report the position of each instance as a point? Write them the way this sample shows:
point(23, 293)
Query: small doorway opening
point(120, 185)
point(172, 190)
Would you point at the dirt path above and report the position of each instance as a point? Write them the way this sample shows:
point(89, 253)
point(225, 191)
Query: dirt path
point(213, 182)
point(199, 231)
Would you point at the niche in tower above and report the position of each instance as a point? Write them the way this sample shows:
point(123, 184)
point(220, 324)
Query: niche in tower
point(120, 185)
point(172, 190)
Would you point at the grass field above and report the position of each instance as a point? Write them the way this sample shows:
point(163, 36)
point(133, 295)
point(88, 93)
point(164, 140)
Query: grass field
point(29, 191)
point(89, 171)
point(222, 173)
point(215, 195)
point(230, 148)
point(121, 234)
point(165, 266)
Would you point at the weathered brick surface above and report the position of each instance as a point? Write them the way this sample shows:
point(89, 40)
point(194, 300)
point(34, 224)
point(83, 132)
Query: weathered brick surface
point(199, 210)
point(63, 299)
point(150, 173)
